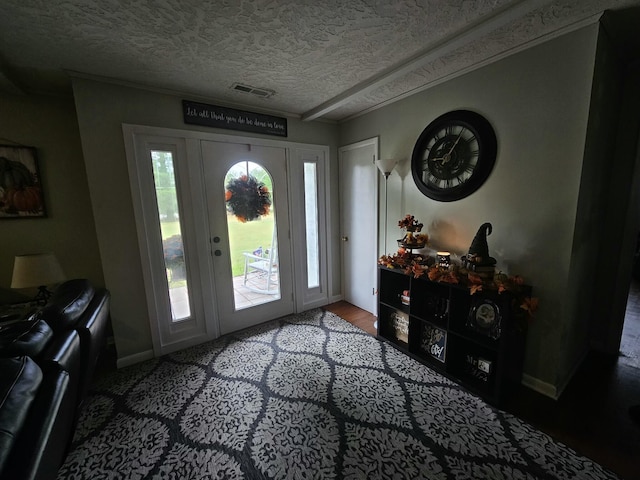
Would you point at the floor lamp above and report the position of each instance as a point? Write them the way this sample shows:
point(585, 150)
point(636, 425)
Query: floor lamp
point(386, 166)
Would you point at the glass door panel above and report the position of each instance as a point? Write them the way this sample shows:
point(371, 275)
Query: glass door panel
point(174, 259)
point(253, 241)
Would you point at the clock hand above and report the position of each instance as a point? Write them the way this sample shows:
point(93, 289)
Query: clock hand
point(456, 143)
point(444, 159)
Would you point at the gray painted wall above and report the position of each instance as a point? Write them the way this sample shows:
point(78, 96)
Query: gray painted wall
point(102, 109)
point(538, 103)
point(614, 132)
point(50, 125)
point(593, 217)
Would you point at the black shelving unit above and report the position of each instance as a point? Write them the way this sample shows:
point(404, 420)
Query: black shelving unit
point(435, 325)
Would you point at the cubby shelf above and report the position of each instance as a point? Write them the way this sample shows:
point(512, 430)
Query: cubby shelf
point(441, 325)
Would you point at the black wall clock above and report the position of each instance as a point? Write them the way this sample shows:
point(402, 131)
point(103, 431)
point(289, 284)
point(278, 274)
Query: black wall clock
point(454, 155)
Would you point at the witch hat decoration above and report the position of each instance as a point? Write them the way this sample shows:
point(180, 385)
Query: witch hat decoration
point(479, 249)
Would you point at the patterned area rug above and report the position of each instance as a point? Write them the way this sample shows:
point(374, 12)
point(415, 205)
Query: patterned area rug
point(306, 396)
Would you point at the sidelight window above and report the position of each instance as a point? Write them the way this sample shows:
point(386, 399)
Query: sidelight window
point(311, 217)
point(171, 229)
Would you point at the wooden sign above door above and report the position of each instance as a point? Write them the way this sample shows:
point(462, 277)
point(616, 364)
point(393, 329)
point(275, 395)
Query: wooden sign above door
point(223, 117)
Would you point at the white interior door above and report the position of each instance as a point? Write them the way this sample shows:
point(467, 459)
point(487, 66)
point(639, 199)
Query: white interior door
point(359, 222)
point(251, 258)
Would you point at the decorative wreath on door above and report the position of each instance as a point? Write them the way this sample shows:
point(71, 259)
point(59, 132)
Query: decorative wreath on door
point(247, 198)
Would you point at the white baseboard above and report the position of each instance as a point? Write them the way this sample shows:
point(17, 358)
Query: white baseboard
point(135, 358)
point(335, 298)
point(539, 386)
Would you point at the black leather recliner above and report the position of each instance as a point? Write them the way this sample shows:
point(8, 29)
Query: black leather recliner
point(50, 365)
point(46, 367)
point(77, 305)
point(20, 379)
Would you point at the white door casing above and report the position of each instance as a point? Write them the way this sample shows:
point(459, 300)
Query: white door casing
point(205, 298)
point(168, 335)
point(302, 158)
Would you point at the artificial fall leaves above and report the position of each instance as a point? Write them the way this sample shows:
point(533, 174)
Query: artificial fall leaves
point(410, 223)
point(416, 265)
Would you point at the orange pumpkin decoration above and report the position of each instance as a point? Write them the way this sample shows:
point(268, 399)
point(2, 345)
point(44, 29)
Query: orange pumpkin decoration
point(26, 199)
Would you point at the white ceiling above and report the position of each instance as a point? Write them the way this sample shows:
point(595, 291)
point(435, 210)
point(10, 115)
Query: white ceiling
point(330, 59)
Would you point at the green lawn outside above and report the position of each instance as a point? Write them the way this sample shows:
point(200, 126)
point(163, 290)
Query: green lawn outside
point(244, 237)
point(247, 237)
point(169, 229)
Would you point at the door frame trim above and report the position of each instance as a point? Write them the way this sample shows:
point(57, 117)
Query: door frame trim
point(192, 140)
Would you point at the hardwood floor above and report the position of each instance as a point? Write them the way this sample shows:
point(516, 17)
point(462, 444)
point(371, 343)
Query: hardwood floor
point(592, 414)
point(352, 314)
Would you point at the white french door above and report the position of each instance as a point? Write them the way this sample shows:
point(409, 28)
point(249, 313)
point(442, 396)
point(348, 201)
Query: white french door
point(205, 272)
point(252, 260)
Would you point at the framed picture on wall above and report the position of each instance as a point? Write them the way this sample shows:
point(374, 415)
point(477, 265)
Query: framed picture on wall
point(21, 193)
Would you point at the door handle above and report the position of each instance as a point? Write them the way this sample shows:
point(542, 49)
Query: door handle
point(345, 239)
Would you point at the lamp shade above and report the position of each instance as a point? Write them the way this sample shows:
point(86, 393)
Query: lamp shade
point(386, 165)
point(35, 270)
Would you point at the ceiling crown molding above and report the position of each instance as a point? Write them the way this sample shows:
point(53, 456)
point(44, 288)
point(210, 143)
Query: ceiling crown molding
point(525, 46)
point(474, 31)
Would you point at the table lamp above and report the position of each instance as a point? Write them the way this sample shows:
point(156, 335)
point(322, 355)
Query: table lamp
point(37, 270)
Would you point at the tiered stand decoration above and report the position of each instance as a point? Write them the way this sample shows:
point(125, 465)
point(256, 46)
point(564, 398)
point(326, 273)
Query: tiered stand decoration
point(413, 239)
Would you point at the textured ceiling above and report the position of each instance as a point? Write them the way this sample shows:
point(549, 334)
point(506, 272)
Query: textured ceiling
point(327, 59)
